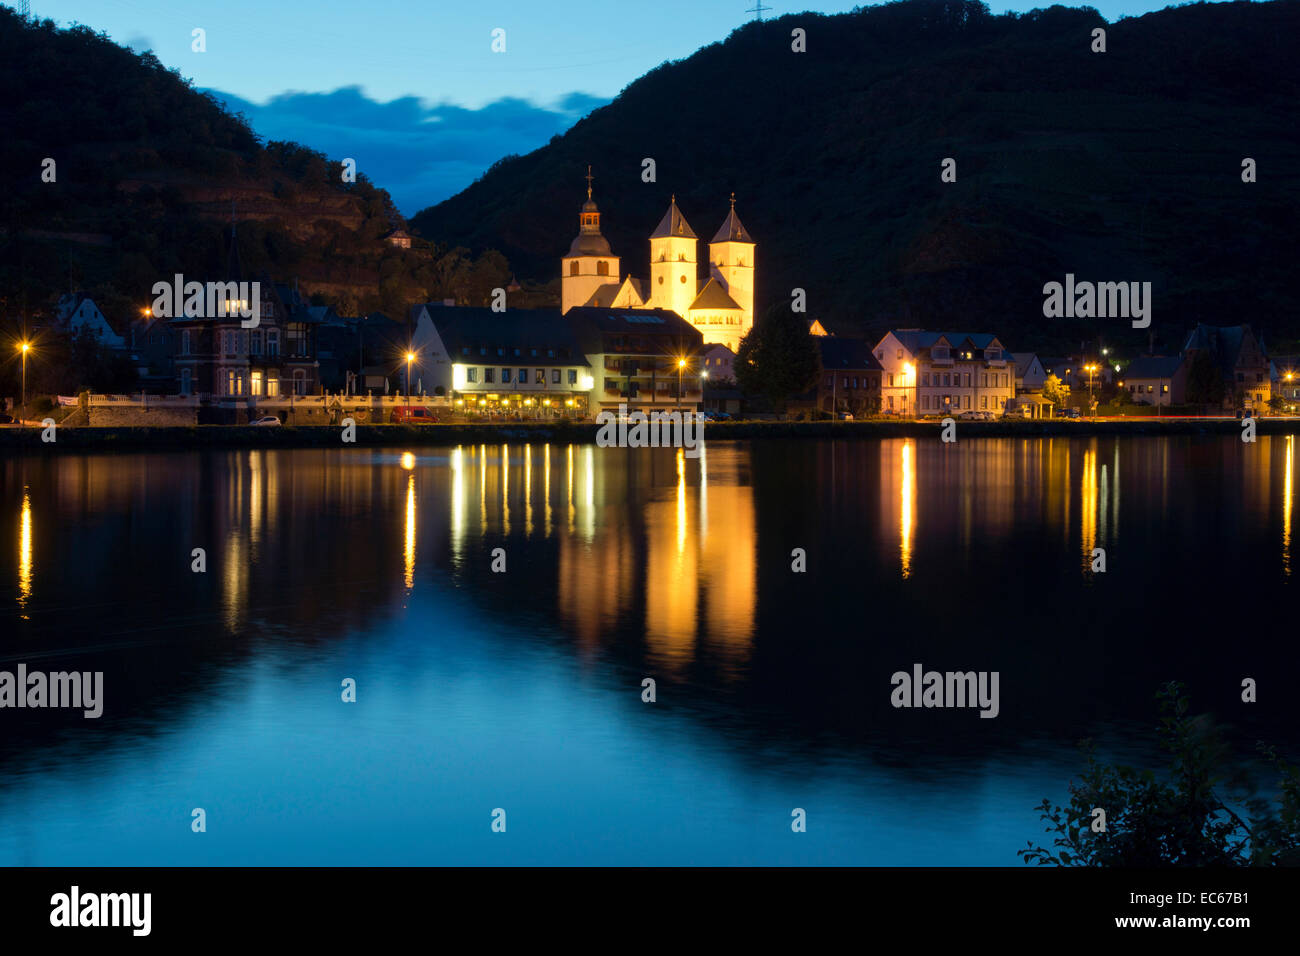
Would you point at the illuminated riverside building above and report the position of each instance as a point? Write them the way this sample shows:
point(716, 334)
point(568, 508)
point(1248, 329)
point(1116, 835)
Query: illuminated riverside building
point(539, 363)
point(524, 362)
point(944, 373)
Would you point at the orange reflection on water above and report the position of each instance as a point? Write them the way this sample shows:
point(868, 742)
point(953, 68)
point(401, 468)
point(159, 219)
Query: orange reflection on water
point(1287, 487)
point(409, 549)
point(907, 504)
point(1088, 502)
point(25, 552)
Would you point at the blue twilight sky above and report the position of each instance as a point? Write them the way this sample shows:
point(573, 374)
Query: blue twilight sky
point(411, 88)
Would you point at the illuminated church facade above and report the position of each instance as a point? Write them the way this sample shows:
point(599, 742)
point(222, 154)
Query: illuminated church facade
point(721, 305)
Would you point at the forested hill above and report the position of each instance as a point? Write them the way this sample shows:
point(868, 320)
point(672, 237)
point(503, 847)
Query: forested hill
point(146, 173)
point(1116, 166)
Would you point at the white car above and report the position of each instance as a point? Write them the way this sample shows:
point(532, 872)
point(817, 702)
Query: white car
point(265, 420)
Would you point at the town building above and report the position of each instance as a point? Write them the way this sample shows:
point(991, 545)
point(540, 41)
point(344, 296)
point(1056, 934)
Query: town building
point(720, 305)
point(850, 379)
point(1156, 380)
point(1030, 379)
point(76, 312)
point(648, 359)
point(218, 359)
point(1239, 358)
point(525, 362)
point(720, 363)
point(944, 373)
point(1284, 375)
point(398, 237)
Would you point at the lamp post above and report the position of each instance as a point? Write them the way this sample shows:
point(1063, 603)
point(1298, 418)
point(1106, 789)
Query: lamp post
point(24, 348)
point(410, 357)
point(1090, 369)
point(681, 367)
point(909, 372)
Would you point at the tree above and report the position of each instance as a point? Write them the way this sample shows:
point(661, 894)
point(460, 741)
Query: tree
point(1055, 391)
point(1204, 383)
point(1185, 818)
point(777, 358)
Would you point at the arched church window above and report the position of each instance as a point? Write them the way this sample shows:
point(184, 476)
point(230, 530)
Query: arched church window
point(661, 280)
point(573, 267)
point(602, 268)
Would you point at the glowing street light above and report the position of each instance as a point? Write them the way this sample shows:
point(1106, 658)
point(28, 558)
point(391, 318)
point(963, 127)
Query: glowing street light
point(24, 348)
point(410, 357)
point(681, 367)
point(1090, 369)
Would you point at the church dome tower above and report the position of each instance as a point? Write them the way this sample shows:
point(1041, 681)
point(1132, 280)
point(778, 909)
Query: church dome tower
point(590, 264)
point(674, 272)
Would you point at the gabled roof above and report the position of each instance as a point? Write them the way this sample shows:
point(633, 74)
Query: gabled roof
point(1023, 361)
point(673, 224)
point(917, 340)
point(714, 296)
point(630, 294)
point(475, 329)
point(603, 295)
point(732, 230)
point(591, 325)
point(1154, 366)
point(1224, 342)
point(844, 353)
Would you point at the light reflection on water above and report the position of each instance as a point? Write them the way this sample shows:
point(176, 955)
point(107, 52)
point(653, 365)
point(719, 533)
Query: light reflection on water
point(522, 688)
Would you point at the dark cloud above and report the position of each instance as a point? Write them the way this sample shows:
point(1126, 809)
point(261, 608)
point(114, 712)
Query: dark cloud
point(420, 153)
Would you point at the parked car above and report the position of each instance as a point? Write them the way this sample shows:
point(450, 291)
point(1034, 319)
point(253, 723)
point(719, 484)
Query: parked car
point(1069, 413)
point(265, 420)
point(413, 415)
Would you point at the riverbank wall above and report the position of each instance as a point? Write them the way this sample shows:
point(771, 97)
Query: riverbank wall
point(145, 438)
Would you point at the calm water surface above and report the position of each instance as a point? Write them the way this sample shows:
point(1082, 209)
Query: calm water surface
point(522, 690)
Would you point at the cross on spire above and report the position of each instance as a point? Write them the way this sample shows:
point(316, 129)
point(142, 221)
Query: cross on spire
point(757, 9)
point(589, 180)
point(733, 202)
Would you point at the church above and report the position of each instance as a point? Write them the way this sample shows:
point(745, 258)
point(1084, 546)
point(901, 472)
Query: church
point(721, 306)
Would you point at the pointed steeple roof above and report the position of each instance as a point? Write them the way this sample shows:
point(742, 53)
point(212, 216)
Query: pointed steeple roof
point(673, 224)
point(714, 296)
point(732, 230)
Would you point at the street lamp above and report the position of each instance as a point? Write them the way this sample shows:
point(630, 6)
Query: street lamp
point(681, 367)
point(410, 357)
point(24, 348)
point(1090, 369)
point(909, 372)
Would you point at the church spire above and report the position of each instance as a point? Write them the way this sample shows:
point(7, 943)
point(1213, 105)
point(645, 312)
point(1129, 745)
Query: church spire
point(589, 178)
point(731, 229)
point(673, 224)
